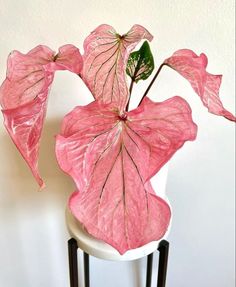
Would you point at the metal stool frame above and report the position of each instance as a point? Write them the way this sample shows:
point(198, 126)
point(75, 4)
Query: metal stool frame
point(163, 249)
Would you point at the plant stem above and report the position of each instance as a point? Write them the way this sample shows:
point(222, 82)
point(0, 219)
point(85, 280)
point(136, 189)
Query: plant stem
point(130, 91)
point(152, 82)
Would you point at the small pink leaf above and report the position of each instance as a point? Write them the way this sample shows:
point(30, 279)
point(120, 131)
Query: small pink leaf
point(105, 155)
point(105, 58)
point(23, 95)
point(193, 68)
point(68, 58)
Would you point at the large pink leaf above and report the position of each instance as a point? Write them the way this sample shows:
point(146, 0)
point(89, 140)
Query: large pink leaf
point(105, 58)
point(23, 95)
point(111, 158)
point(206, 85)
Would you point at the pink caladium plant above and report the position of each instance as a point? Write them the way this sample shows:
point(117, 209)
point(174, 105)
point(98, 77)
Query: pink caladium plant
point(103, 146)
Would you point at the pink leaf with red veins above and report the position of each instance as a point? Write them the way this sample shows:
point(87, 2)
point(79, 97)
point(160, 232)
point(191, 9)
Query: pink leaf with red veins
point(23, 95)
point(105, 58)
point(206, 85)
point(105, 155)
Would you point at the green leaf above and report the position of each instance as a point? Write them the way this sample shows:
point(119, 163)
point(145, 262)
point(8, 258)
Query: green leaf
point(140, 63)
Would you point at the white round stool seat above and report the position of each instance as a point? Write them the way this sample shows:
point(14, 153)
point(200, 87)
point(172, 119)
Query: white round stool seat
point(102, 250)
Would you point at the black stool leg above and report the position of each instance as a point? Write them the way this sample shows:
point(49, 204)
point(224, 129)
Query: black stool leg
point(86, 270)
point(163, 248)
point(73, 265)
point(149, 270)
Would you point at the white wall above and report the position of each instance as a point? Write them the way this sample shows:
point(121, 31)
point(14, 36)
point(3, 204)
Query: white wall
point(200, 185)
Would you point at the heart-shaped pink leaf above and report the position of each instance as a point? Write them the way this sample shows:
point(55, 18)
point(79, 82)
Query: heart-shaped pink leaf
point(111, 158)
point(105, 58)
point(23, 95)
point(206, 85)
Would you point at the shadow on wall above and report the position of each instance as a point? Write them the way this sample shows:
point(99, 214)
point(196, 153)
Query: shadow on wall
point(137, 271)
point(33, 220)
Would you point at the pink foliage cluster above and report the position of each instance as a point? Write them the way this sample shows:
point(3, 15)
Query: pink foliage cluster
point(102, 146)
point(23, 95)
